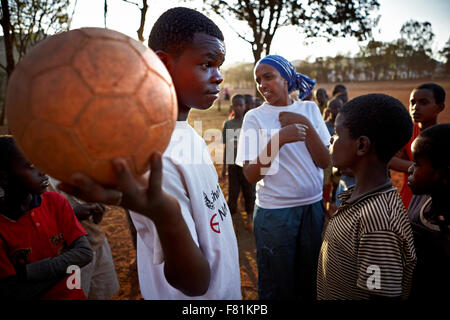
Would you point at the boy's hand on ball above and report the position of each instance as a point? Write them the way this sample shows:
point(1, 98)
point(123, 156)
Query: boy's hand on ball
point(134, 193)
point(83, 211)
point(146, 197)
point(97, 213)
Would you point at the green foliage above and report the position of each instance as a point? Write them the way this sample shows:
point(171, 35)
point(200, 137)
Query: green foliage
point(418, 34)
point(33, 20)
point(445, 53)
point(30, 21)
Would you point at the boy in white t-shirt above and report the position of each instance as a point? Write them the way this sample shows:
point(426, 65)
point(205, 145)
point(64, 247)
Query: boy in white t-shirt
point(186, 246)
point(283, 148)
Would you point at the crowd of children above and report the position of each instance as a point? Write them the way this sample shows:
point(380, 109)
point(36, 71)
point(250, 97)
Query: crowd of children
point(287, 154)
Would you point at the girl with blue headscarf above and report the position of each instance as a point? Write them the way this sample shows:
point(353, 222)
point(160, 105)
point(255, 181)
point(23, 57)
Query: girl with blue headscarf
point(283, 148)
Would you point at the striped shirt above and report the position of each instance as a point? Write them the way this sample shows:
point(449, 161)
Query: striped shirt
point(368, 248)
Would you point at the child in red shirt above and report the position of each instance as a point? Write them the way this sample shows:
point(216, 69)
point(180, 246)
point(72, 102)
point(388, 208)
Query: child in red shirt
point(40, 237)
point(425, 103)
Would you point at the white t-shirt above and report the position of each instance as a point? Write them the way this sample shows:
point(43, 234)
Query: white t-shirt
point(293, 179)
point(190, 176)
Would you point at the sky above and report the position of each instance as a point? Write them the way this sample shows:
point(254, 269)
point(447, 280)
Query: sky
point(288, 41)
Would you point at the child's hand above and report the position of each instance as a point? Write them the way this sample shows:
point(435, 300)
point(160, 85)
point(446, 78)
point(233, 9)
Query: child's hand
point(288, 118)
point(84, 211)
point(97, 213)
point(136, 194)
point(292, 133)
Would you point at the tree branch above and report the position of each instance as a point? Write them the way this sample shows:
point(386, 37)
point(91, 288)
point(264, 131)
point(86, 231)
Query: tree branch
point(131, 2)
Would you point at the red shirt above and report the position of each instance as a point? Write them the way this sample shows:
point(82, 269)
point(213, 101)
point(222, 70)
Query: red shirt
point(42, 232)
point(405, 191)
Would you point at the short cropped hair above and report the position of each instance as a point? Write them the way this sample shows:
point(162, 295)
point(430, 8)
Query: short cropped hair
point(382, 118)
point(237, 96)
point(248, 97)
point(438, 91)
point(9, 152)
point(434, 144)
point(339, 88)
point(176, 27)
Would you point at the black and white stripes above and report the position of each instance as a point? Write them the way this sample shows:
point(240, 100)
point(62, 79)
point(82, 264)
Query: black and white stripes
point(367, 249)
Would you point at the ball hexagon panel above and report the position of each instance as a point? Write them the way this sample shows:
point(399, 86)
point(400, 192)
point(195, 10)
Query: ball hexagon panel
point(56, 88)
point(104, 171)
point(58, 50)
point(110, 66)
point(111, 126)
point(158, 98)
point(41, 145)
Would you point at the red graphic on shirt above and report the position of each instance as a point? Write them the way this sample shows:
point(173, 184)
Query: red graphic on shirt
point(214, 225)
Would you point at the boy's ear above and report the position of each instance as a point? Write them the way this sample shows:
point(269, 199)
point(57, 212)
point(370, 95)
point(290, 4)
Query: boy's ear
point(441, 106)
point(363, 145)
point(164, 57)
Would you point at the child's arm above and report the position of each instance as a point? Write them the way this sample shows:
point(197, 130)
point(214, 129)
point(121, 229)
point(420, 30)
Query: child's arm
point(319, 152)
point(33, 280)
point(400, 162)
point(80, 254)
point(185, 267)
point(256, 171)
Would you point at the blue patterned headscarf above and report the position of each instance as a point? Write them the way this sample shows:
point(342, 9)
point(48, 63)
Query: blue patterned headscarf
point(295, 80)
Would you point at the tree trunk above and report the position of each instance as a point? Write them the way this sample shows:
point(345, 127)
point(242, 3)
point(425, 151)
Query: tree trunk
point(105, 12)
point(140, 31)
point(6, 25)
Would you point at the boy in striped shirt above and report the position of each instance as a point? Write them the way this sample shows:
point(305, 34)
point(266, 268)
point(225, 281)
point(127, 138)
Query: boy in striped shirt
point(368, 250)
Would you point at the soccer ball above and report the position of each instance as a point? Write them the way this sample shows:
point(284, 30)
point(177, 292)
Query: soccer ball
point(81, 98)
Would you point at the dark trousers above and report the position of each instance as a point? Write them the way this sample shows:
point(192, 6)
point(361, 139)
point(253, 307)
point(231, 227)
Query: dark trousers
point(288, 243)
point(236, 182)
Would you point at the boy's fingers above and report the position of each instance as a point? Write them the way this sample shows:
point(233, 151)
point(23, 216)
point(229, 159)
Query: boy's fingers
point(125, 178)
point(87, 189)
point(155, 179)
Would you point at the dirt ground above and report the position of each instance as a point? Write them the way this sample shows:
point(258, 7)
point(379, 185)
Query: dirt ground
point(116, 226)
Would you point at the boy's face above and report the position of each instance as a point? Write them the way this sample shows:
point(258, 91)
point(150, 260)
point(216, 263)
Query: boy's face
point(239, 107)
point(195, 71)
point(342, 146)
point(423, 107)
point(422, 176)
point(272, 86)
point(24, 177)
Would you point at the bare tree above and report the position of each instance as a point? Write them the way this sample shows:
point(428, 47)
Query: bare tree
point(8, 38)
point(25, 23)
point(143, 9)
